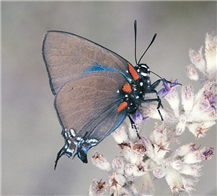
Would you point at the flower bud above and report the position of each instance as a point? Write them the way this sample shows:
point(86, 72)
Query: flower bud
point(159, 171)
point(187, 98)
point(197, 59)
point(118, 165)
point(192, 169)
point(174, 181)
point(180, 127)
point(120, 135)
point(129, 169)
point(101, 162)
point(177, 164)
point(211, 55)
point(97, 188)
point(191, 72)
point(116, 182)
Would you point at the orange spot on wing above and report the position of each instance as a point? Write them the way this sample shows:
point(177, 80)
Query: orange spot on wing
point(127, 88)
point(122, 106)
point(133, 72)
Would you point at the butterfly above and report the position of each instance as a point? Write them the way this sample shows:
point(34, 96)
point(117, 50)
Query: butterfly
point(95, 89)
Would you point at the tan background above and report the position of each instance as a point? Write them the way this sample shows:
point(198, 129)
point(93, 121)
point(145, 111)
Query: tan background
point(30, 129)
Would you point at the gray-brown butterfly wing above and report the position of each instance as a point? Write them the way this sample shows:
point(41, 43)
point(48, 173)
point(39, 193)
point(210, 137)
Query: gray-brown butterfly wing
point(68, 55)
point(87, 110)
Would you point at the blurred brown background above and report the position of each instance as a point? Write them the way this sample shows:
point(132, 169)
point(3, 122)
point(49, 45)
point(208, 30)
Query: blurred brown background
point(30, 129)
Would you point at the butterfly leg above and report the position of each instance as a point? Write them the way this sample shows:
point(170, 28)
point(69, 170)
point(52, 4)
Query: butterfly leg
point(152, 90)
point(134, 126)
point(155, 84)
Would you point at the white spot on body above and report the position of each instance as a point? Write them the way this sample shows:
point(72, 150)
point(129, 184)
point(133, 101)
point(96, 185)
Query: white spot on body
point(144, 74)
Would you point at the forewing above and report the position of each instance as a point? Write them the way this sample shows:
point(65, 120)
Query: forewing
point(67, 56)
point(88, 104)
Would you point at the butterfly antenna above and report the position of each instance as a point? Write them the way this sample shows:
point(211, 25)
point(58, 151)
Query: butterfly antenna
point(156, 74)
point(135, 32)
point(164, 80)
point(148, 47)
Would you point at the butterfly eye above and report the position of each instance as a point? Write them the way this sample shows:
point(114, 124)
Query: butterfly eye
point(144, 70)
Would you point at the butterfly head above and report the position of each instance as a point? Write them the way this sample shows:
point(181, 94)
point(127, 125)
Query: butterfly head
point(143, 69)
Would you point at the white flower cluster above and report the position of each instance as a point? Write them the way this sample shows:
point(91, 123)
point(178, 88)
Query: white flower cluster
point(198, 111)
point(148, 158)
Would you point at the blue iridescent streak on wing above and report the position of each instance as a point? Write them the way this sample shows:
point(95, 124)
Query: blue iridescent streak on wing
point(98, 67)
